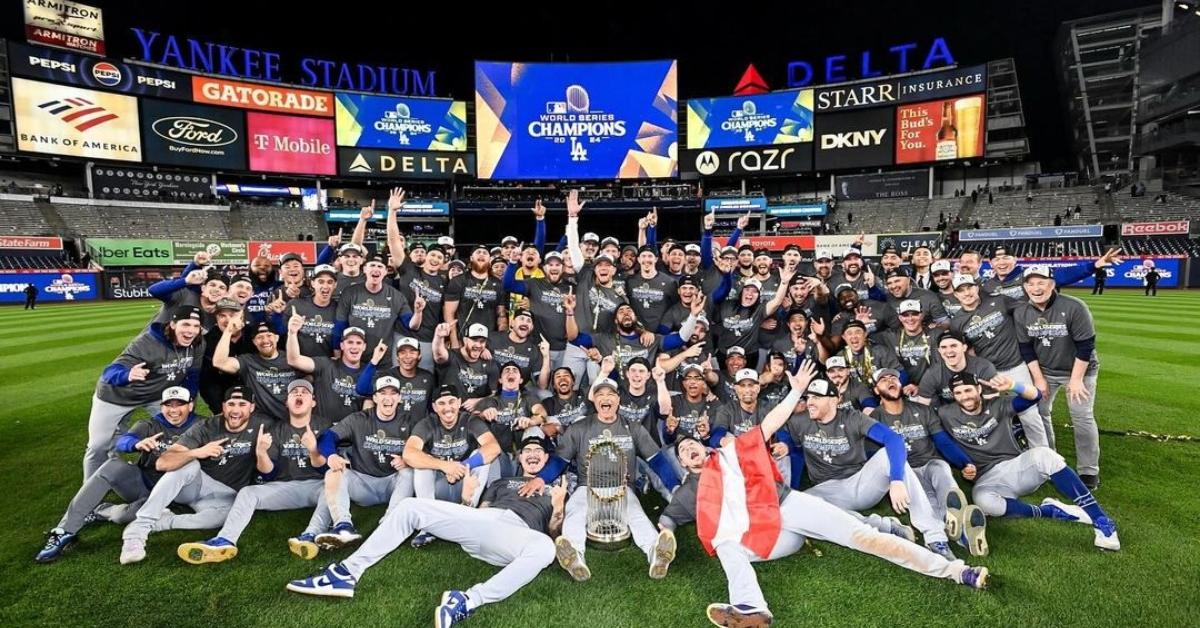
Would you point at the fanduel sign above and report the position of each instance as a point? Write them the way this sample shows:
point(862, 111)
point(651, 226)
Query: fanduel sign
point(264, 65)
point(898, 59)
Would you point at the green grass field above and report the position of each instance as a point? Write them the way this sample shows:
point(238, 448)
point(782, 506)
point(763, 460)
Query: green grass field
point(1045, 572)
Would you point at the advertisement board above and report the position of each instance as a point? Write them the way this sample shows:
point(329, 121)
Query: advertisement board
point(854, 139)
point(259, 97)
point(576, 120)
point(275, 249)
point(856, 95)
point(75, 122)
point(403, 164)
point(73, 286)
point(193, 135)
point(940, 130)
point(936, 85)
point(140, 182)
point(365, 121)
point(748, 160)
point(910, 241)
point(798, 209)
point(66, 24)
point(901, 184)
point(1031, 233)
point(837, 244)
point(753, 120)
point(223, 252)
point(290, 144)
point(83, 70)
point(132, 283)
point(116, 252)
point(1165, 227)
point(1129, 273)
point(755, 204)
point(777, 243)
point(31, 242)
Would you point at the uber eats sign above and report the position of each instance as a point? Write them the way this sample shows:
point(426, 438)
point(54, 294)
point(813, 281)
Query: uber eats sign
point(112, 252)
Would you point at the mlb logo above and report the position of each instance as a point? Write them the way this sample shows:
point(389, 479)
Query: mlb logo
point(556, 107)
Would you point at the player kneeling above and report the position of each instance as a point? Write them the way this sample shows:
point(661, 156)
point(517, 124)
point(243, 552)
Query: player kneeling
point(766, 520)
point(1002, 471)
point(507, 530)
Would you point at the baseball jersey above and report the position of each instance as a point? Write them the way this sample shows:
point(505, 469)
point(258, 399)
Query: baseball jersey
point(771, 394)
point(650, 298)
point(564, 412)
point(291, 457)
point(333, 384)
point(473, 379)
point(833, 450)
point(931, 304)
point(453, 443)
point(1054, 332)
point(170, 435)
point(509, 407)
point(375, 313)
point(534, 510)
point(630, 438)
point(986, 437)
point(990, 329)
point(316, 335)
point(373, 441)
point(477, 300)
point(264, 293)
point(412, 281)
point(525, 355)
point(268, 379)
point(236, 466)
point(917, 423)
point(690, 414)
point(167, 365)
point(935, 384)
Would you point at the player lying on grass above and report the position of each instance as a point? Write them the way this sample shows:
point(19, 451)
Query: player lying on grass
point(510, 529)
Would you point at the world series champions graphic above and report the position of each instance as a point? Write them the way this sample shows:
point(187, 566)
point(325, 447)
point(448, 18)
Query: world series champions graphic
point(577, 121)
point(763, 119)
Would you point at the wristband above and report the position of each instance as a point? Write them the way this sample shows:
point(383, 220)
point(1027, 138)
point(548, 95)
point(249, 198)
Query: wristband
point(1018, 388)
point(476, 460)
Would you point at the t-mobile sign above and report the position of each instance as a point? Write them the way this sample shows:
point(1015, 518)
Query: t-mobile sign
point(290, 144)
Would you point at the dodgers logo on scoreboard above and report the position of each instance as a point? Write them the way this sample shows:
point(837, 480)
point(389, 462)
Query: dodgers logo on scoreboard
point(572, 123)
point(758, 120)
point(406, 123)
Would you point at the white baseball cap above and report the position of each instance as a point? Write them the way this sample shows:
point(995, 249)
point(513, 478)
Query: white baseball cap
point(746, 374)
point(606, 383)
point(736, 350)
point(962, 280)
point(835, 362)
point(387, 381)
point(692, 248)
point(1040, 270)
point(355, 331)
point(688, 368)
point(590, 237)
point(910, 305)
point(823, 254)
point(940, 266)
point(477, 331)
point(851, 251)
point(177, 393)
point(324, 269)
point(445, 241)
point(752, 283)
point(553, 255)
point(405, 341)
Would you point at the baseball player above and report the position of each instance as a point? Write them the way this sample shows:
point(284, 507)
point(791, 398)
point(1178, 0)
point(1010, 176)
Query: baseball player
point(934, 388)
point(509, 529)
point(265, 285)
point(335, 380)
point(599, 292)
point(546, 302)
point(691, 411)
point(900, 288)
point(416, 384)
point(1058, 342)
point(943, 281)
point(988, 325)
point(448, 445)
point(213, 381)
point(466, 368)
point(650, 292)
point(374, 306)
point(422, 284)
point(131, 482)
point(286, 456)
point(914, 343)
point(566, 405)
point(511, 412)
point(475, 297)
point(741, 317)
point(204, 469)
point(196, 285)
point(923, 434)
point(854, 273)
point(781, 519)
point(158, 358)
point(852, 393)
point(1003, 471)
point(875, 317)
point(318, 312)
point(519, 346)
point(635, 442)
point(863, 356)
point(371, 471)
point(1008, 276)
point(266, 372)
point(832, 445)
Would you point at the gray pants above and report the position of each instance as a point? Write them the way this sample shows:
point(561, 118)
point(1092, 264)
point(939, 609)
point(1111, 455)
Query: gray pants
point(362, 489)
point(937, 480)
point(123, 478)
point(1083, 421)
point(1038, 429)
point(802, 515)
point(210, 501)
point(104, 422)
point(864, 489)
point(1015, 477)
point(496, 536)
point(269, 496)
point(431, 484)
point(575, 522)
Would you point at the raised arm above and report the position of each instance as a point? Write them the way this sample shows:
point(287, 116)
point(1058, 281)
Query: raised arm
point(395, 241)
point(295, 359)
point(780, 414)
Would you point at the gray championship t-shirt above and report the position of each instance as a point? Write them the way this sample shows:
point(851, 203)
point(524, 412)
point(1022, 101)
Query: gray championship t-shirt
point(1055, 332)
point(291, 457)
point(236, 466)
point(412, 281)
point(268, 380)
point(917, 423)
point(316, 336)
point(334, 383)
point(987, 437)
point(454, 443)
point(473, 379)
point(935, 384)
point(373, 441)
point(477, 300)
point(564, 412)
point(650, 298)
point(990, 329)
point(834, 450)
point(168, 365)
point(375, 313)
point(534, 510)
point(631, 438)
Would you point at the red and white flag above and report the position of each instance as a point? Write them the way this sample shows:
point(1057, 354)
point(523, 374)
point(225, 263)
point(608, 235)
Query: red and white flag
point(737, 499)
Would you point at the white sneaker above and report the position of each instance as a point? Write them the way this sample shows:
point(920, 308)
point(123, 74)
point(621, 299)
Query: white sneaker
point(1070, 509)
point(570, 560)
point(133, 551)
point(662, 554)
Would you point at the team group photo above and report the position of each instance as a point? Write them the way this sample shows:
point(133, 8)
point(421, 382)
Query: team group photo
point(882, 322)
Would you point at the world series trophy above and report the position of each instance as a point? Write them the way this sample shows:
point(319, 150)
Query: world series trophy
point(607, 482)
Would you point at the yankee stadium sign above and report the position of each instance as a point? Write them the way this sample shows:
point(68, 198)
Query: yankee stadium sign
point(264, 65)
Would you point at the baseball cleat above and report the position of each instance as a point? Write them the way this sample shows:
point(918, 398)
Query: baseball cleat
point(975, 532)
point(570, 559)
point(92, 517)
point(57, 542)
point(133, 551)
point(304, 546)
point(1106, 534)
point(214, 550)
point(1064, 511)
point(344, 534)
point(739, 616)
point(956, 503)
point(900, 529)
point(335, 581)
point(974, 577)
point(662, 554)
point(942, 548)
point(421, 540)
point(452, 609)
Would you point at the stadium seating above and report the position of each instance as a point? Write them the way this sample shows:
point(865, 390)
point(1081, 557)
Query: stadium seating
point(1081, 247)
point(1160, 245)
point(1015, 210)
point(39, 262)
point(1146, 209)
point(143, 222)
point(899, 215)
point(22, 218)
point(274, 223)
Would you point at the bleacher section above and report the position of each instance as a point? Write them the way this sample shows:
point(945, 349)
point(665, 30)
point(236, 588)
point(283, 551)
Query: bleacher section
point(1146, 209)
point(898, 215)
point(1015, 210)
point(1081, 247)
point(22, 218)
point(275, 223)
point(1160, 245)
point(40, 262)
point(145, 222)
